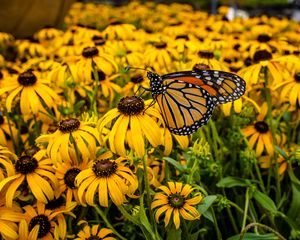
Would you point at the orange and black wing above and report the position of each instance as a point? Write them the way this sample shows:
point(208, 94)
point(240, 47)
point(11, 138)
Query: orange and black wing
point(222, 86)
point(185, 106)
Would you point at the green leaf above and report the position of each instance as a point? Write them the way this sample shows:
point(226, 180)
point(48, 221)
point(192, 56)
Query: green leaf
point(281, 152)
point(253, 236)
point(175, 163)
point(294, 210)
point(229, 182)
point(265, 201)
point(174, 234)
point(78, 105)
point(203, 208)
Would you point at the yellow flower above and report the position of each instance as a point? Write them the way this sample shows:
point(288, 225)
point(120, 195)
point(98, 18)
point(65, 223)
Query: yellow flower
point(9, 217)
point(266, 162)
point(66, 173)
point(8, 131)
point(168, 141)
point(92, 60)
point(263, 59)
point(47, 34)
point(131, 122)
point(160, 57)
point(6, 160)
point(106, 177)
point(71, 134)
point(290, 90)
point(33, 92)
point(31, 170)
point(95, 232)
point(260, 135)
point(30, 48)
point(174, 200)
point(44, 224)
point(119, 30)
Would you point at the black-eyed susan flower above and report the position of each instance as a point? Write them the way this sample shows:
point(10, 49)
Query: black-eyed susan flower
point(131, 123)
point(95, 232)
point(118, 30)
point(177, 201)
point(30, 48)
point(33, 93)
point(9, 217)
point(290, 90)
point(91, 60)
point(71, 134)
point(267, 162)
point(264, 59)
point(7, 158)
point(260, 135)
point(160, 56)
point(42, 223)
point(107, 179)
point(8, 131)
point(31, 170)
point(66, 173)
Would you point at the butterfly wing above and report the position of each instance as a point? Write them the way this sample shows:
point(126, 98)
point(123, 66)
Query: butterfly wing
point(184, 106)
point(222, 86)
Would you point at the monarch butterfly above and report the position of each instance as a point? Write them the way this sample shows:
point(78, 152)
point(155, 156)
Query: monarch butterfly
point(187, 99)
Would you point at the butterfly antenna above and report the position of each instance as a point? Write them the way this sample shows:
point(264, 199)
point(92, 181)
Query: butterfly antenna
point(127, 68)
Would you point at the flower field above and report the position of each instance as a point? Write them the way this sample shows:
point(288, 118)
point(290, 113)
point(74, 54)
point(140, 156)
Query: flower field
point(88, 152)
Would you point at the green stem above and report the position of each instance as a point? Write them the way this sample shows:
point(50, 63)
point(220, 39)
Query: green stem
point(147, 188)
point(270, 120)
point(239, 209)
point(95, 91)
point(101, 213)
point(187, 235)
point(246, 209)
point(16, 149)
point(219, 236)
point(75, 147)
point(251, 225)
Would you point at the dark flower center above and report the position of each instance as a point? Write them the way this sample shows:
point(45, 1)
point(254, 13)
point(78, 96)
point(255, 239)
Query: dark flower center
point(90, 52)
point(101, 75)
point(131, 105)
point(70, 176)
point(236, 46)
point(1, 75)
point(27, 78)
point(68, 125)
point(115, 22)
point(93, 237)
point(176, 200)
point(199, 66)
point(1, 119)
point(297, 77)
point(44, 223)
point(31, 151)
point(52, 128)
point(185, 37)
point(206, 54)
point(104, 168)
point(262, 55)
point(263, 38)
point(261, 126)
point(55, 203)
point(160, 45)
point(26, 164)
point(137, 79)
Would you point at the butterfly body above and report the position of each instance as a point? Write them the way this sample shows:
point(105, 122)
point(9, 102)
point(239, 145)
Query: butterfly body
point(187, 99)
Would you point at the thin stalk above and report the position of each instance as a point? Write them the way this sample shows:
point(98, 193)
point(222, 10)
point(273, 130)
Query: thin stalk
point(251, 225)
point(75, 147)
point(239, 209)
point(11, 133)
point(186, 233)
point(246, 209)
point(103, 216)
point(95, 91)
point(147, 188)
point(219, 236)
point(270, 119)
